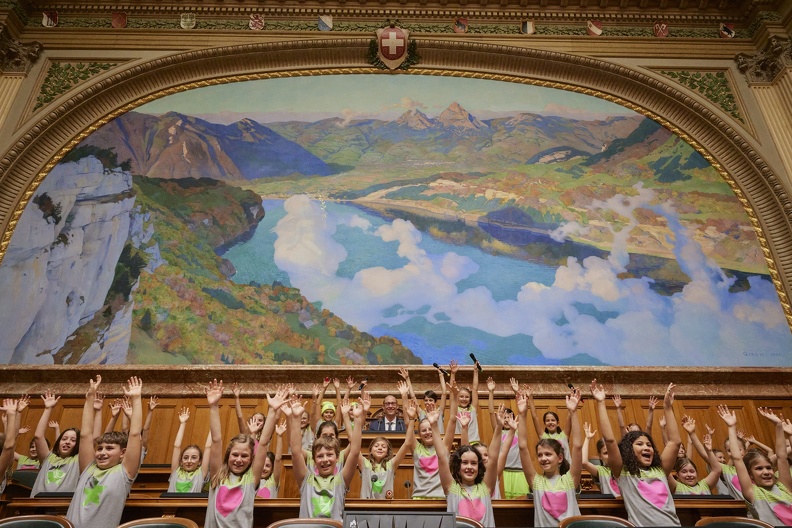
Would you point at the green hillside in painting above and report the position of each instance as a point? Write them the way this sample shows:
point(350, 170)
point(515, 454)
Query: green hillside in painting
point(189, 311)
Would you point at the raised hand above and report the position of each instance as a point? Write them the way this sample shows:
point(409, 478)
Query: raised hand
point(345, 406)
point(365, 401)
point(769, 414)
point(433, 416)
point(463, 418)
point(326, 382)
point(134, 387)
point(453, 366)
point(522, 402)
point(50, 400)
point(93, 385)
point(153, 402)
point(411, 411)
point(500, 416)
point(280, 428)
point(707, 441)
point(9, 406)
point(315, 390)
point(668, 400)
point(401, 386)
point(53, 424)
point(512, 421)
point(787, 425)
point(350, 381)
point(281, 397)
point(404, 373)
point(515, 385)
point(98, 401)
point(587, 430)
point(336, 383)
point(22, 403)
point(490, 384)
point(573, 400)
point(24, 429)
point(236, 390)
point(126, 406)
point(729, 417)
point(184, 415)
point(652, 402)
point(357, 410)
point(115, 407)
point(214, 391)
point(710, 430)
point(689, 424)
point(662, 422)
point(597, 391)
point(617, 401)
point(253, 426)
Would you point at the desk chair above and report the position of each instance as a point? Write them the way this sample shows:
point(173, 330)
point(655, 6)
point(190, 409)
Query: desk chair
point(594, 521)
point(161, 522)
point(467, 522)
point(36, 521)
point(732, 522)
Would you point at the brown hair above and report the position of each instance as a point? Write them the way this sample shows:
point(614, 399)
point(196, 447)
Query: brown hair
point(113, 437)
point(325, 441)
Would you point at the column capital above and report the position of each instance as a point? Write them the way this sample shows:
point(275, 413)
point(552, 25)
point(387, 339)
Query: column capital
point(766, 65)
point(15, 56)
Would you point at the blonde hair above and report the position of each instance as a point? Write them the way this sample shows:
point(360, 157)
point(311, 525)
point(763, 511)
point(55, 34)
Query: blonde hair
point(224, 471)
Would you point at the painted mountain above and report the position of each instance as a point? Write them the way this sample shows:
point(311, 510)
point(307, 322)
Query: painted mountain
point(179, 146)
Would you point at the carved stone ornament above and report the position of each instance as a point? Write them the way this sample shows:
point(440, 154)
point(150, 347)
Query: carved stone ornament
point(15, 56)
point(764, 66)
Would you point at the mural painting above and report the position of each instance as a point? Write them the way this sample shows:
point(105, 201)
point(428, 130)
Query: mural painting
point(387, 219)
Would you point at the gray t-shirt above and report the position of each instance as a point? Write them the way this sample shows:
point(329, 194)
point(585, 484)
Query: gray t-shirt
point(376, 482)
point(426, 476)
point(57, 474)
point(473, 502)
point(554, 499)
point(182, 481)
point(268, 488)
point(231, 503)
point(772, 506)
point(607, 483)
point(322, 497)
point(100, 497)
point(648, 499)
point(473, 430)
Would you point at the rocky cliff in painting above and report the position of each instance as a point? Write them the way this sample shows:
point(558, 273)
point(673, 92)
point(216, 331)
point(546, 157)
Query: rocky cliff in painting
point(61, 262)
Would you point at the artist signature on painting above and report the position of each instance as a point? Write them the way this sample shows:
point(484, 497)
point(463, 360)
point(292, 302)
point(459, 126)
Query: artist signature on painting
point(762, 354)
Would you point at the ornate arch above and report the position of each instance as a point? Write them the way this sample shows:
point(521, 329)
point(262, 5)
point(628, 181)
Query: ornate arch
point(39, 147)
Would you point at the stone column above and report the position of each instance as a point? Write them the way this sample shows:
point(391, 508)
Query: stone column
point(16, 61)
point(769, 75)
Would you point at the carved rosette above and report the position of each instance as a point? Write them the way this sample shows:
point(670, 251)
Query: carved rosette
point(15, 56)
point(766, 65)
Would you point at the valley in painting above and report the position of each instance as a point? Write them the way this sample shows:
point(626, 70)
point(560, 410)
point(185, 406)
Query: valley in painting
point(409, 220)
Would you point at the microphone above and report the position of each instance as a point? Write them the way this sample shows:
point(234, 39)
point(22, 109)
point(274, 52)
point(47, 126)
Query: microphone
point(374, 478)
point(476, 362)
point(407, 484)
point(441, 369)
point(572, 387)
point(362, 384)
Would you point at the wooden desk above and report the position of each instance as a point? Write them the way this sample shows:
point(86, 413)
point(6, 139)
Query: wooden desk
point(508, 513)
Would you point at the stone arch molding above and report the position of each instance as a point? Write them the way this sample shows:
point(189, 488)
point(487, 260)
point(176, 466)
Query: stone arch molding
point(39, 147)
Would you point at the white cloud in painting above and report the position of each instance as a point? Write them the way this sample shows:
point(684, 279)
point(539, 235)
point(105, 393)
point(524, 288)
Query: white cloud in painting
point(564, 231)
point(640, 327)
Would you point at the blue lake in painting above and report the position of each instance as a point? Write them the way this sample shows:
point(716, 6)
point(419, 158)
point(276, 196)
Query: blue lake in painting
point(462, 299)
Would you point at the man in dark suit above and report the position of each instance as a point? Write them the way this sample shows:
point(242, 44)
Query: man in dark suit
point(389, 422)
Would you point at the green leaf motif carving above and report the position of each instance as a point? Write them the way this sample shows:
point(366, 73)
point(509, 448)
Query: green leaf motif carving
point(712, 85)
point(63, 76)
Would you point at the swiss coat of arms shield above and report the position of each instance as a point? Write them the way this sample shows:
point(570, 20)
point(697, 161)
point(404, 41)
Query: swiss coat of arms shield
point(187, 20)
point(118, 20)
point(392, 46)
point(256, 22)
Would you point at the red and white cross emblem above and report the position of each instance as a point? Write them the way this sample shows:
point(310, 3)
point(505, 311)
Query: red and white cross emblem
point(392, 43)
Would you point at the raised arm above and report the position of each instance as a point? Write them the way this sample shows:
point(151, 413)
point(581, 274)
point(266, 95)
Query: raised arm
point(98, 404)
point(650, 416)
point(214, 391)
point(237, 391)
point(491, 402)
point(538, 425)
point(405, 374)
point(134, 447)
point(184, 415)
point(339, 420)
point(464, 422)
point(588, 434)
point(410, 413)
point(450, 430)
point(7, 455)
point(55, 426)
point(491, 473)
point(86, 427)
point(115, 412)
point(293, 412)
point(316, 408)
point(780, 446)
point(39, 437)
point(355, 439)
point(689, 425)
point(522, 437)
point(617, 401)
point(273, 404)
point(144, 438)
point(277, 469)
point(576, 440)
point(443, 394)
point(474, 396)
point(446, 479)
point(730, 419)
point(671, 449)
point(614, 455)
point(503, 454)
